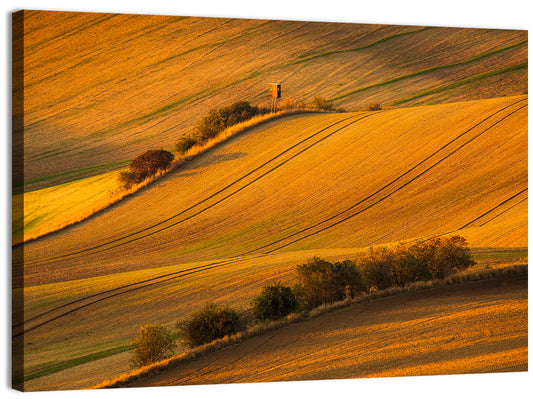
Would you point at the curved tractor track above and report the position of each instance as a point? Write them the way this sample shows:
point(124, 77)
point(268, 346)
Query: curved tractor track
point(419, 169)
point(497, 207)
point(278, 161)
point(75, 305)
point(161, 225)
point(473, 221)
point(396, 184)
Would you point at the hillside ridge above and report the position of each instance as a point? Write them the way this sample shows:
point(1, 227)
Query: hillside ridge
point(126, 83)
point(318, 188)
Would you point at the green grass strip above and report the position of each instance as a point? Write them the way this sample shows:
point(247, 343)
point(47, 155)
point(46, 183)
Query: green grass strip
point(432, 69)
point(490, 253)
point(462, 82)
point(75, 362)
point(334, 52)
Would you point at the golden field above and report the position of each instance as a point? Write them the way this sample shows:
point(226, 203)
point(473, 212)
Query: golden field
point(447, 155)
point(269, 190)
point(249, 210)
point(453, 330)
point(46, 210)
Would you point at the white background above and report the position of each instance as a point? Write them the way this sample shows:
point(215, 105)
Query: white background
point(501, 14)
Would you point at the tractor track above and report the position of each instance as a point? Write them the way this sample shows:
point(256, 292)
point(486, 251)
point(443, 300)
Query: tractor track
point(99, 297)
point(156, 280)
point(469, 223)
point(130, 238)
point(128, 288)
point(397, 179)
point(493, 209)
point(501, 213)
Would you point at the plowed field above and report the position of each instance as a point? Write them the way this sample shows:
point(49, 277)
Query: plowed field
point(475, 327)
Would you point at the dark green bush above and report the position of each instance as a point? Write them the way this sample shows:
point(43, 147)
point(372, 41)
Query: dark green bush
point(321, 282)
point(219, 119)
point(423, 260)
point(350, 276)
point(127, 179)
point(274, 302)
point(148, 163)
point(184, 143)
point(153, 344)
point(213, 321)
point(322, 104)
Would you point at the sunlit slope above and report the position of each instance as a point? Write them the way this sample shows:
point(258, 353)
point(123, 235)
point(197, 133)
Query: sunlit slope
point(471, 328)
point(101, 88)
point(52, 208)
point(315, 182)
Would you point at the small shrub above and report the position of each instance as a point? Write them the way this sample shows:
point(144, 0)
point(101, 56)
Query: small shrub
point(213, 321)
point(325, 282)
point(350, 276)
point(287, 103)
point(373, 107)
point(377, 268)
point(322, 104)
point(302, 105)
point(184, 143)
point(453, 255)
point(128, 179)
point(148, 163)
point(274, 302)
point(153, 344)
point(219, 119)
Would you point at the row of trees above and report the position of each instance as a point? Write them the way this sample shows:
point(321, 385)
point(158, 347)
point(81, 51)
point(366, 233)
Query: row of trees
point(217, 120)
point(318, 282)
point(145, 165)
point(221, 118)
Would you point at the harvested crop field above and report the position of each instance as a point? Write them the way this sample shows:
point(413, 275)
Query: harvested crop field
point(427, 137)
point(316, 181)
point(474, 327)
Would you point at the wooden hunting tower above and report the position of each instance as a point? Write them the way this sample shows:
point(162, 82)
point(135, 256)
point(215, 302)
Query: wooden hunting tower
point(274, 91)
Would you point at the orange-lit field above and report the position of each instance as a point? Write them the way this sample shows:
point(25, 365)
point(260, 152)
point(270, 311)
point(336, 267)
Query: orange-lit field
point(447, 155)
point(250, 210)
point(316, 182)
point(476, 327)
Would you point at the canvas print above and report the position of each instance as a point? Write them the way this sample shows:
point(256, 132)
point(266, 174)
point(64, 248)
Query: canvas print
point(220, 200)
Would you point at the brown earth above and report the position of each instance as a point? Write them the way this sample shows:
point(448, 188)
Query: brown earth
point(474, 327)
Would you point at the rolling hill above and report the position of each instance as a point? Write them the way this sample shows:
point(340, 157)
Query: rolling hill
point(99, 89)
point(317, 181)
point(411, 335)
point(251, 209)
